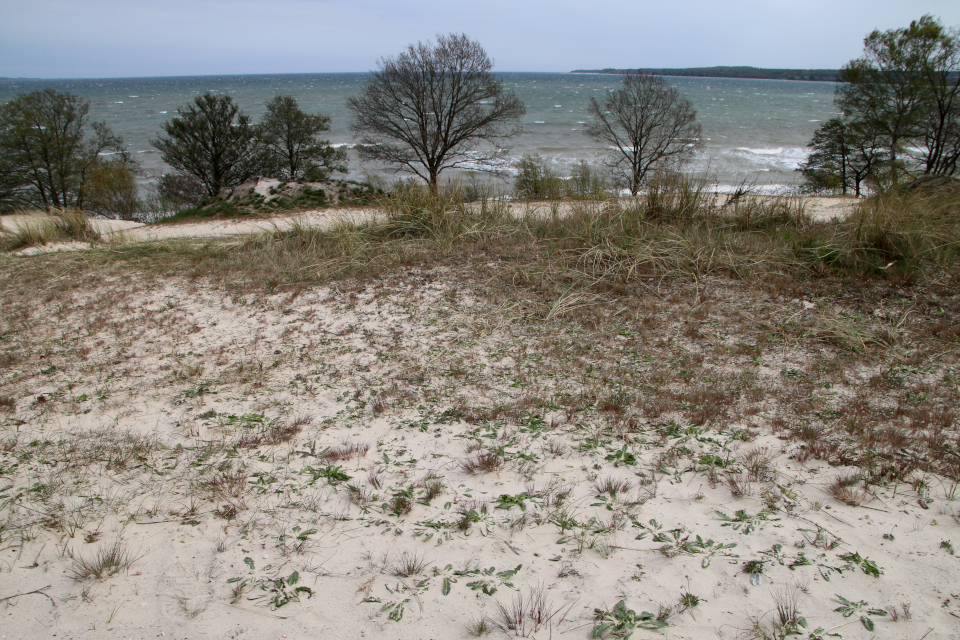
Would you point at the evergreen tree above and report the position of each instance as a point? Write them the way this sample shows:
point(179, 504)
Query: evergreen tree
point(844, 156)
point(213, 141)
point(293, 149)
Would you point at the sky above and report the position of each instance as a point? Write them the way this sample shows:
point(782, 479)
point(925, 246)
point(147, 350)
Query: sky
point(138, 38)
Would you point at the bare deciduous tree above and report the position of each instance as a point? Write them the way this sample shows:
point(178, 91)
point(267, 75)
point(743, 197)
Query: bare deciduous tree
point(435, 107)
point(648, 124)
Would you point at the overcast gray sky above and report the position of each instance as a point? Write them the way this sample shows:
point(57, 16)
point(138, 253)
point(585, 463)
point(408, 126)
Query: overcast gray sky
point(117, 38)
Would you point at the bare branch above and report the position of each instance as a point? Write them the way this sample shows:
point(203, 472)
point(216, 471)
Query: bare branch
point(648, 124)
point(436, 107)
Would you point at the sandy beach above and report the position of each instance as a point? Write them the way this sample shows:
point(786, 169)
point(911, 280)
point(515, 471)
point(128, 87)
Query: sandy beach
point(444, 451)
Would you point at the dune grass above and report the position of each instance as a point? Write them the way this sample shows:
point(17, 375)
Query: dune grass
point(679, 229)
point(39, 229)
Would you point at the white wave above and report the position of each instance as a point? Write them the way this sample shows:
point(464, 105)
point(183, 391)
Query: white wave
point(539, 122)
point(761, 189)
point(762, 152)
point(778, 157)
point(343, 145)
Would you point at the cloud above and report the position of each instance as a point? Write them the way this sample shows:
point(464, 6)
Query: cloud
point(55, 38)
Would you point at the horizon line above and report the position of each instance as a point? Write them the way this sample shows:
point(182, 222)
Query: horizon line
point(603, 71)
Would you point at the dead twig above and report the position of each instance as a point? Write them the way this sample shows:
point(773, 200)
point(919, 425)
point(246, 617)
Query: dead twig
point(35, 591)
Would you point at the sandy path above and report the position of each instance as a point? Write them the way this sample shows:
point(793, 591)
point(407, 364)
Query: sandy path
point(820, 208)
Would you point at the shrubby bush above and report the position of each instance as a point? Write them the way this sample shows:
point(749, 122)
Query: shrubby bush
point(111, 189)
point(536, 180)
point(180, 191)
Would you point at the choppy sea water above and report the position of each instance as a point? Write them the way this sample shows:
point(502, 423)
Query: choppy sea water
point(754, 130)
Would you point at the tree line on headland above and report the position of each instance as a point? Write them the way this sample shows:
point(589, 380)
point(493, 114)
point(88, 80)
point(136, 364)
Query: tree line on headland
point(437, 106)
point(754, 73)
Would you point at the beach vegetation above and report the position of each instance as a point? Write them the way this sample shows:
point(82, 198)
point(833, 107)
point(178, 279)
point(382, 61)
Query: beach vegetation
point(49, 149)
point(293, 151)
point(648, 124)
point(845, 155)
point(111, 190)
point(178, 191)
point(213, 141)
point(105, 562)
point(652, 343)
point(435, 107)
point(900, 111)
point(537, 180)
point(62, 225)
point(621, 622)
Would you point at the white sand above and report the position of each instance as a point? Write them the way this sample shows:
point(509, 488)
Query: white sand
point(189, 365)
point(330, 355)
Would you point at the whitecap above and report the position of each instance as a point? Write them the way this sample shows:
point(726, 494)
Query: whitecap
point(762, 152)
point(539, 122)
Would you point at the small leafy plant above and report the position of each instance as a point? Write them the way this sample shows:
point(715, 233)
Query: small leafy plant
point(281, 591)
point(332, 474)
point(622, 457)
point(506, 501)
point(488, 580)
point(676, 543)
point(621, 622)
point(869, 566)
point(848, 609)
point(742, 520)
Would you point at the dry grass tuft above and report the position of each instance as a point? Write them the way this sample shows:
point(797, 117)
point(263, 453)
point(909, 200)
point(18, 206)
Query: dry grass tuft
point(40, 229)
point(486, 462)
point(106, 562)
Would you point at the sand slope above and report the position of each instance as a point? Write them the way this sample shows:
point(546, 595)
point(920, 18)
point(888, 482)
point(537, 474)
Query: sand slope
point(230, 444)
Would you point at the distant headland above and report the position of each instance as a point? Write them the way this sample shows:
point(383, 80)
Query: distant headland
point(817, 75)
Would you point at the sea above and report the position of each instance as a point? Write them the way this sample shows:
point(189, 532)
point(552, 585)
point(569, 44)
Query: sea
point(755, 132)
